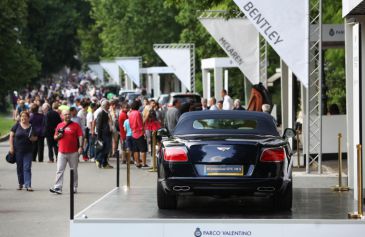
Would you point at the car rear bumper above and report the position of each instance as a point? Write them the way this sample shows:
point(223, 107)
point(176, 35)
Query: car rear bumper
point(222, 186)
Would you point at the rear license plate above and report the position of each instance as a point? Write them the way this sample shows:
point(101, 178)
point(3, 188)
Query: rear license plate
point(223, 170)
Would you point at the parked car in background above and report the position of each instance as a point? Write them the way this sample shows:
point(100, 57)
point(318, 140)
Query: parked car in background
point(124, 93)
point(193, 98)
point(163, 99)
point(132, 97)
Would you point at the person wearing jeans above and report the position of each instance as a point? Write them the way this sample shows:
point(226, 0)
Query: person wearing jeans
point(37, 121)
point(52, 119)
point(21, 141)
point(91, 130)
point(69, 136)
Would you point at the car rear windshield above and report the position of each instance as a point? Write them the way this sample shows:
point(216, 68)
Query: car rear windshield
point(132, 96)
point(187, 98)
point(241, 124)
point(163, 100)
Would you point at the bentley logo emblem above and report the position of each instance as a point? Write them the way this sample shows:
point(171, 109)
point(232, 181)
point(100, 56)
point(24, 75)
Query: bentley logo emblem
point(223, 148)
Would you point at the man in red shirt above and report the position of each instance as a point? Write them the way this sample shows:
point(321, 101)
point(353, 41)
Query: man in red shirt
point(69, 136)
point(123, 116)
point(138, 138)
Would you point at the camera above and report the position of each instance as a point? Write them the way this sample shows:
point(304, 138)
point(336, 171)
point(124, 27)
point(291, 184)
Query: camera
point(60, 132)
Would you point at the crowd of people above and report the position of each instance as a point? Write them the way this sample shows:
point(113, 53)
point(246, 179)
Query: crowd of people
point(91, 127)
point(83, 126)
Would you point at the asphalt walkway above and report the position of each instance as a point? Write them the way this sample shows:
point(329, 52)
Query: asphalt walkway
point(43, 214)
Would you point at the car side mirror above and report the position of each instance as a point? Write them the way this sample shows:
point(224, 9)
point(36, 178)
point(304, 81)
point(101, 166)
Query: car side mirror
point(289, 133)
point(162, 132)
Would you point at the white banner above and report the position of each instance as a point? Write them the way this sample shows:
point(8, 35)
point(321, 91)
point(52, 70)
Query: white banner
point(240, 40)
point(112, 69)
point(98, 70)
point(131, 66)
point(349, 5)
point(284, 25)
point(179, 60)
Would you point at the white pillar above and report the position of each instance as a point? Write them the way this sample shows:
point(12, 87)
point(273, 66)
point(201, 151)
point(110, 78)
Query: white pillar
point(355, 107)
point(149, 84)
point(226, 80)
point(218, 83)
point(287, 100)
point(349, 104)
point(362, 66)
point(183, 88)
point(126, 82)
point(284, 94)
point(248, 87)
point(209, 83)
point(303, 92)
point(156, 85)
point(177, 85)
point(291, 106)
point(205, 83)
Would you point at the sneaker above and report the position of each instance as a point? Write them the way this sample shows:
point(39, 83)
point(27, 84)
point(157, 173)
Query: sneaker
point(97, 163)
point(145, 166)
point(92, 160)
point(55, 190)
point(107, 166)
point(85, 158)
point(138, 166)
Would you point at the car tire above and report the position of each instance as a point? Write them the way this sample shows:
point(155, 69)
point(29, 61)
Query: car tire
point(284, 201)
point(164, 200)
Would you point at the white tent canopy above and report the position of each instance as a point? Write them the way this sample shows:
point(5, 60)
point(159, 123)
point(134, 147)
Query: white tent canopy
point(240, 40)
point(112, 68)
point(181, 59)
point(131, 66)
point(98, 70)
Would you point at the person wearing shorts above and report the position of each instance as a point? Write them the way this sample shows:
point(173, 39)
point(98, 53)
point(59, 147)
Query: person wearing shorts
point(138, 136)
point(128, 143)
point(123, 116)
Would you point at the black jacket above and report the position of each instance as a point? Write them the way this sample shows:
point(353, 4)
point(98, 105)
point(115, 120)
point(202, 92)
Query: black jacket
point(52, 119)
point(102, 125)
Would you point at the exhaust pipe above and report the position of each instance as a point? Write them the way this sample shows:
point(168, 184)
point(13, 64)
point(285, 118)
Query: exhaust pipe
point(265, 189)
point(181, 188)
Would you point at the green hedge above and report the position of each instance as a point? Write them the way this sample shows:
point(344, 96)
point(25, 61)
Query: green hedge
point(5, 124)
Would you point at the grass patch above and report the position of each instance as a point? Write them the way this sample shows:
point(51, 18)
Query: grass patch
point(6, 123)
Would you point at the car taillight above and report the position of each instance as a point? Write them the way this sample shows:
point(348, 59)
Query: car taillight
point(175, 154)
point(273, 155)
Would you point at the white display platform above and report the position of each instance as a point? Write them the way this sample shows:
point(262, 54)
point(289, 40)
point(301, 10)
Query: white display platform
point(201, 228)
point(134, 214)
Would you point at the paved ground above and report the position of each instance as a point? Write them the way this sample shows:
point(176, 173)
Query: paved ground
point(44, 214)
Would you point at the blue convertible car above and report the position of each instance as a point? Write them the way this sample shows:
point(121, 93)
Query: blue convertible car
point(225, 153)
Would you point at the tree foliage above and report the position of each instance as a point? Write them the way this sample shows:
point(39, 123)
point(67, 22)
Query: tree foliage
point(39, 37)
point(131, 27)
point(18, 64)
point(52, 32)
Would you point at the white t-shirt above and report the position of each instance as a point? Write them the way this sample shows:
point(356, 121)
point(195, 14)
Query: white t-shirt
point(82, 115)
point(96, 113)
point(89, 119)
point(213, 107)
point(227, 103)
